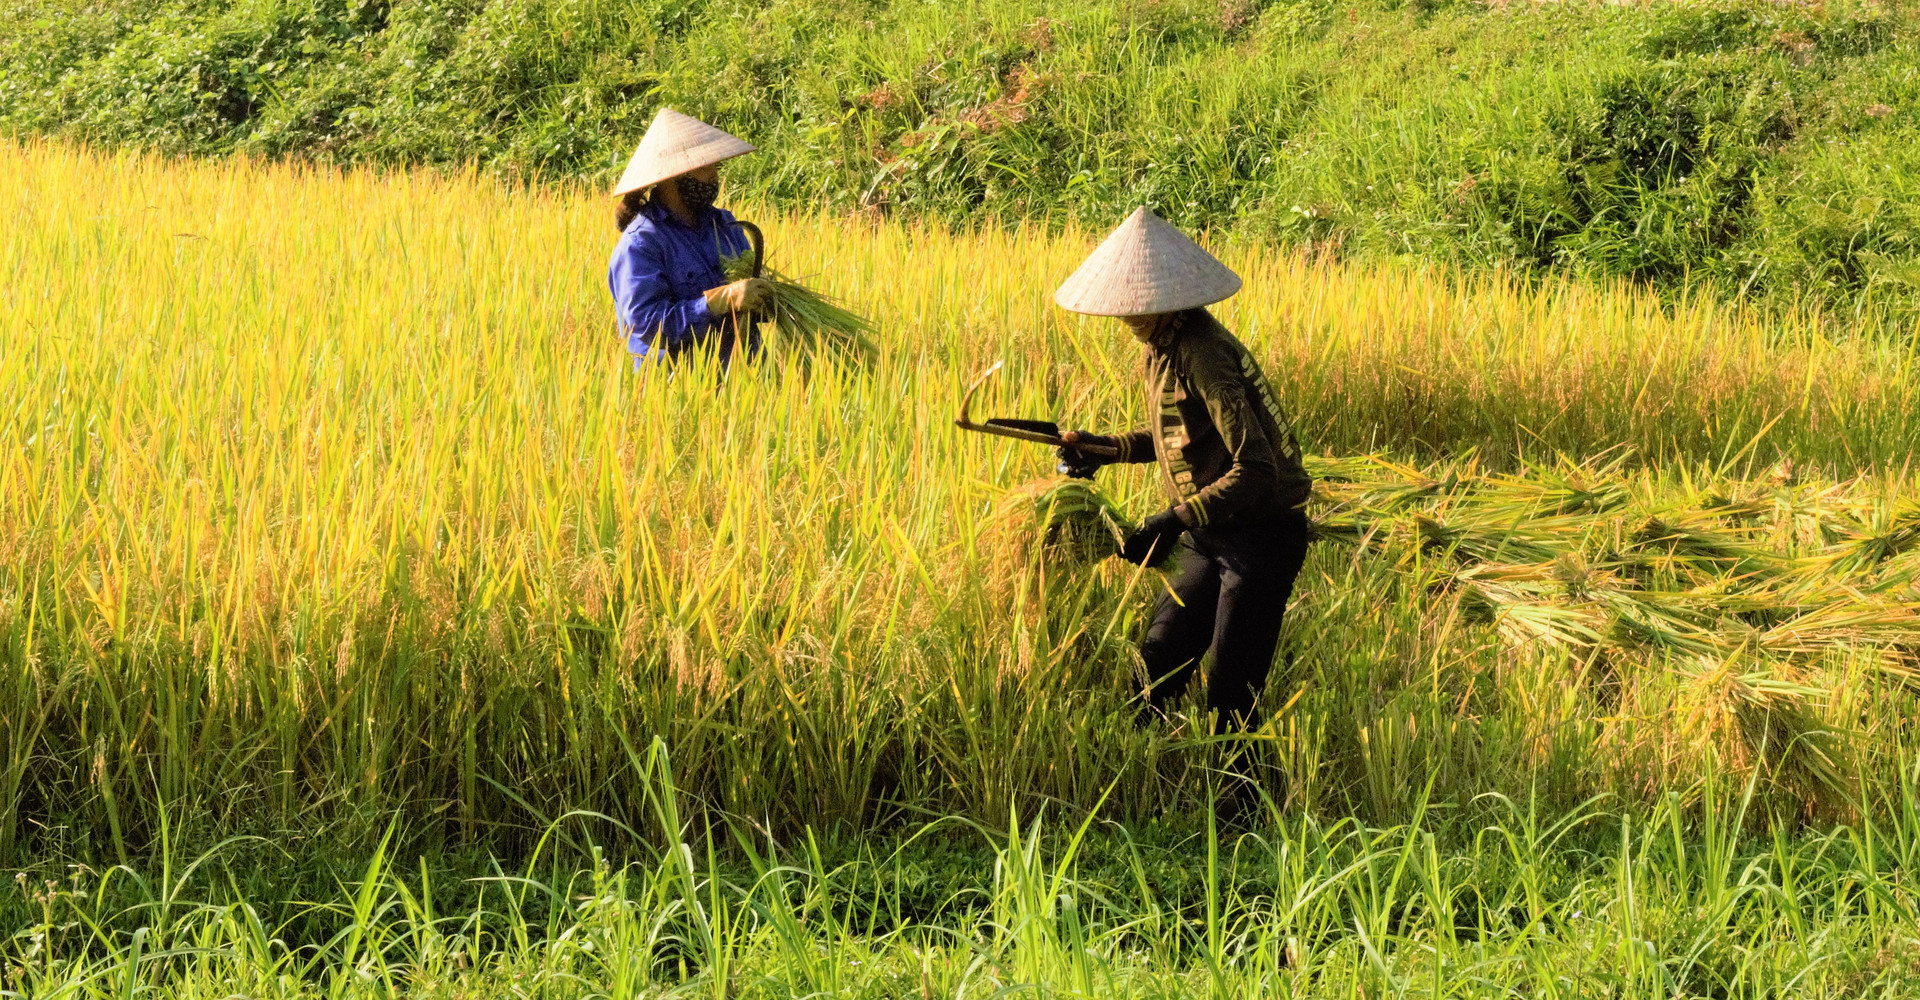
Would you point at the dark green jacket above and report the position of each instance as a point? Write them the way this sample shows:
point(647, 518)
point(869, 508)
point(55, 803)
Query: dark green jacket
point(1225, 447)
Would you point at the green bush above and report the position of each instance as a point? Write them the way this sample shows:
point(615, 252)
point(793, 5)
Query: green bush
point(1760, 148)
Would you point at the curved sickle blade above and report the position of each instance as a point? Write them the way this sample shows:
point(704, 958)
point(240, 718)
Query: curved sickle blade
point(759, 241)
point(973, 387)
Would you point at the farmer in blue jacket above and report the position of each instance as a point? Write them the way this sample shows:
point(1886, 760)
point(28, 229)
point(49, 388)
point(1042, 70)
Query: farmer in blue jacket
point(669, 291)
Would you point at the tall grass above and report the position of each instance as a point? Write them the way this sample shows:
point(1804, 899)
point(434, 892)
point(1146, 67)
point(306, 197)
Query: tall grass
point(329, 495)
point(1540, 903)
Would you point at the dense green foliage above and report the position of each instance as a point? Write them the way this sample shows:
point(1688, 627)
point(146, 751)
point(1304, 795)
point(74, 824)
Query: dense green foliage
point(1766, 148)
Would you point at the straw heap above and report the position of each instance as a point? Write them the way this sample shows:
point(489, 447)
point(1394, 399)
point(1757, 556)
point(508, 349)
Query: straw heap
point(1589, 557)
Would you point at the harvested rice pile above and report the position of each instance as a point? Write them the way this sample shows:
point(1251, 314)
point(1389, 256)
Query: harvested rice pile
point(1742, 592)
point(1588, 558)
point(804, 320)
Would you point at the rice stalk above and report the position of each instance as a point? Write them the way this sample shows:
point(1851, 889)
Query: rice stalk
point(1699, 573)
point(369, 513)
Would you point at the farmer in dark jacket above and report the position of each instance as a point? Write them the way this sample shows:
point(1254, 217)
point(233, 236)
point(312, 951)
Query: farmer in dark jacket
point(1228, 459)
point(670, 295)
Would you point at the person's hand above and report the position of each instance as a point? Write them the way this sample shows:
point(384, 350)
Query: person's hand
point(1154, 539)
point(747, 295)
point(1077, 464)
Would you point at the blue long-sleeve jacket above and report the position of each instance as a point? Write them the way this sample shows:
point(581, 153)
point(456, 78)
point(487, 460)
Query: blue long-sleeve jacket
point(659, 274)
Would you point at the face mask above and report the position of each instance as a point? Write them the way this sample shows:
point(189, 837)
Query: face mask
point(698, 194)
point(1149, 329)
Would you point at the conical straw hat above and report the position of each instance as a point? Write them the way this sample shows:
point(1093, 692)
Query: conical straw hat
point(673, 145)
point(1145, 267)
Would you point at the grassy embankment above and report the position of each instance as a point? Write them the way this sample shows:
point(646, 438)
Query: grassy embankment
point(328, 502)
point(1764, 149)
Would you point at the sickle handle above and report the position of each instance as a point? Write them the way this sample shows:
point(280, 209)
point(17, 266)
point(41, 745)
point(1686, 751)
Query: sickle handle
point(1018, 434)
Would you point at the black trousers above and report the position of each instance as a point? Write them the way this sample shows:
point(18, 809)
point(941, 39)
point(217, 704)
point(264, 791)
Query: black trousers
point(1232, 586)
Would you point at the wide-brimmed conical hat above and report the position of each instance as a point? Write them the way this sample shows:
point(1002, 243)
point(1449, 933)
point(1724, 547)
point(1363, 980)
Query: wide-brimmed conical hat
point(673, 145)
point(1146, 267)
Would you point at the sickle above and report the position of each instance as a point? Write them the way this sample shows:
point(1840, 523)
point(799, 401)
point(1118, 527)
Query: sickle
point(759, 242)
point(1004, 429)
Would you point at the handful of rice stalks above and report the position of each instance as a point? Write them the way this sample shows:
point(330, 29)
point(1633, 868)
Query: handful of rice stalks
point(804, 318)
point(1067, 522)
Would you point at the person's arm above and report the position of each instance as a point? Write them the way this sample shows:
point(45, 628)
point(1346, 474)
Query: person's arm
point(648, 310)
point(1135, 446)
point(1253, 478)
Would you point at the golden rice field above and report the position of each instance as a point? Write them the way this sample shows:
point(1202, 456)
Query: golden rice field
point(329, 497)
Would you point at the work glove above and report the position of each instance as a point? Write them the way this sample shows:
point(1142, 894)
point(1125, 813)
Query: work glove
point(747, 295)
point(1153, 541)
point(1077, 464)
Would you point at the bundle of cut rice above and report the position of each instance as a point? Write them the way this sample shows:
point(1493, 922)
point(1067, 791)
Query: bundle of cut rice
point(804, 319)
point(1735, 611)
point(1067, 522)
